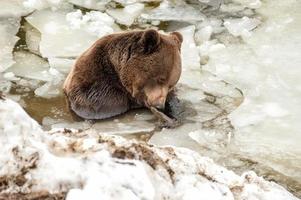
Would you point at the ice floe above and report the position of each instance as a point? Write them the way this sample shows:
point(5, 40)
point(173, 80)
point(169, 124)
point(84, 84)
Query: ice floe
point(126, 15)
point(62, 30)
point(8, 29)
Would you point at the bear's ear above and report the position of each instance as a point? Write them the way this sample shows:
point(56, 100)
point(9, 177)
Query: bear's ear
point(150, 40)
point(178, 37)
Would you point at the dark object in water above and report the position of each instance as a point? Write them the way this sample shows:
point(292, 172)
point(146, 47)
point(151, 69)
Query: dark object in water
point(173, 114)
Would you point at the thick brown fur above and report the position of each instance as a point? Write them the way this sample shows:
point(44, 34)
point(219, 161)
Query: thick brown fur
point(121, 71)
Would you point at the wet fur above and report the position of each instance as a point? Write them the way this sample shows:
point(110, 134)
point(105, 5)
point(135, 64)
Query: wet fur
point(94, 89)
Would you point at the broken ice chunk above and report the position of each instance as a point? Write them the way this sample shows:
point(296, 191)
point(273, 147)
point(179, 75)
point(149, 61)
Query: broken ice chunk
point(5, 85)
point(52, 88)
point(209, 46)
point(91, 4)
point(61, 31)
point(128, 2)
point(62, 64)
point(241, 27)
point(121, 128)
point(203, 34)
point(127, 15)
point(33, 38)
point(231, 8)
point(30, 66)
point(43, 4)
point(170, 11)
point(13, 8)
point(8, 29)
point(94, 22)
point(213, 3)
point(190, 58)
point(48, 90)
point(189, 50)
point(254, 4)
point(10, 76)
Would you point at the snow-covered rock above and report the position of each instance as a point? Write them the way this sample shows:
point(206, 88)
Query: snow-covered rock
point(89, 164)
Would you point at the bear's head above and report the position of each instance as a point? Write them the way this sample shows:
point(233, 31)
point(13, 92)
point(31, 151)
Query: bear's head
point(153, 67)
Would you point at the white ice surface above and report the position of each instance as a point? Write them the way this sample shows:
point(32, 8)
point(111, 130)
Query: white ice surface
point(267, 69)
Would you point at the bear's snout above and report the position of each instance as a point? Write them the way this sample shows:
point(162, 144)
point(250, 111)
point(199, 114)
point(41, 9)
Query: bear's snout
point(156, 97)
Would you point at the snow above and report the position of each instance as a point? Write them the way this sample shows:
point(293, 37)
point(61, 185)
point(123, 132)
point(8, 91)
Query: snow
point(126, 15)
point(88, 164)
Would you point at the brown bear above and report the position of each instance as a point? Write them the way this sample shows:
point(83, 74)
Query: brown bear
point(123, 71)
